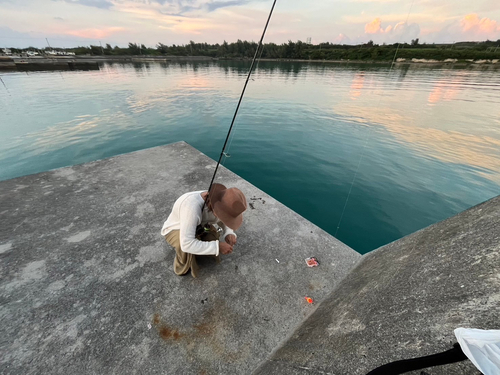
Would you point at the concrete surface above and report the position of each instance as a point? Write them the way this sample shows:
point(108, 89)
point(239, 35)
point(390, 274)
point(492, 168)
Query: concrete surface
point(87, 285)
point(404, 300)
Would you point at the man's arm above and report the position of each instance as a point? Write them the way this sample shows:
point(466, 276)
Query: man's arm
point(228, 234)
point(189, 220)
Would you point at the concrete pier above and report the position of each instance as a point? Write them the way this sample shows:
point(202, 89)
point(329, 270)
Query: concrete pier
point(87, 285)
point(403, 301)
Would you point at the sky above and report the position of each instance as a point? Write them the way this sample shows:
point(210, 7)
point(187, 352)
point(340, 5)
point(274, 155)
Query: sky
point(68, 23)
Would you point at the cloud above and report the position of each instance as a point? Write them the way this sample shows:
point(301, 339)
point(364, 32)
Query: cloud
point(374, 26)
point(400, 32)
point(214, 5)
point(469, 28)
point(181, 7)
point(342, 39)
point(16, 39)
point(178, 21)
point(374, 1)
point(96, 33)
point(101, 4)
point(472, 24)
point(13, 38)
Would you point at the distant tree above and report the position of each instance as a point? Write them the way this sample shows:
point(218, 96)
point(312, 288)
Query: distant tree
point(223, 50)
point(134, 49)
point(376, 52)
point(240, 50)
point(288, 50)
point(162, 48)
point(299, 50)
point(96, 50)
point(192, 48)
point(108, 50)
point(81, 50)
point(317, 55)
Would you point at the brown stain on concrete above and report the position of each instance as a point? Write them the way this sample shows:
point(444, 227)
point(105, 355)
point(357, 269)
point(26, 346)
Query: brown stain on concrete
point(214, 331)
point(164, 330)
point(156, 319)
point(204, 329)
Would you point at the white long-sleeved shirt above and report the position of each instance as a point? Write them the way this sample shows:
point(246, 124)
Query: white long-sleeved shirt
point(186, 216)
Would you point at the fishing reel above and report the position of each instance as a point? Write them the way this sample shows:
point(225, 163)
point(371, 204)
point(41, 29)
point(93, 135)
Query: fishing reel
point(203, 229)
point(206, 229)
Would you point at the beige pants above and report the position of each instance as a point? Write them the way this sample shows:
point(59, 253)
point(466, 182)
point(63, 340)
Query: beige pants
point(183, 262)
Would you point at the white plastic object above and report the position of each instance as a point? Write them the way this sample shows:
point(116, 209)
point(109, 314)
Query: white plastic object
point(482, 347)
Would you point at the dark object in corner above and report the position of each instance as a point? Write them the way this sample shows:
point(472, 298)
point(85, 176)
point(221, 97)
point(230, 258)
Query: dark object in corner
point(406, 365)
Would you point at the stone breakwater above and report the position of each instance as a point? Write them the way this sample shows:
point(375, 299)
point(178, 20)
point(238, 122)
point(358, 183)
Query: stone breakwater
point(83, 62)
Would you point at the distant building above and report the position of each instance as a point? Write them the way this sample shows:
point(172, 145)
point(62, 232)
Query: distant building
point(7, 52)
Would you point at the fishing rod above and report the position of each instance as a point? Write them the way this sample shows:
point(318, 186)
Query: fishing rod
point(239, 102)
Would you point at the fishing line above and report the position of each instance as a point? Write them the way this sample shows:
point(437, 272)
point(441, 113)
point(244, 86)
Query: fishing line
point(4, 85)
point(260, 57)
point(366, 137)
point(227, 153)
point(53, 50)
point(241, 98)
point(399, 44)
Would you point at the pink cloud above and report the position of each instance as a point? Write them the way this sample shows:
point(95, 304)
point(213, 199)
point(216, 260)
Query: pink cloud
point(374, 26)
point(471, 23)
point(95, 33)
point(342, 39)
point(401, 31)
point(470, 28)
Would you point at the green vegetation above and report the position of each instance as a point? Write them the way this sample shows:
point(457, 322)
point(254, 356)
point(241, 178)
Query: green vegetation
point(299, 50)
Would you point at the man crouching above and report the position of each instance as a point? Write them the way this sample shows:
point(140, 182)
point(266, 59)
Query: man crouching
point(191, 232)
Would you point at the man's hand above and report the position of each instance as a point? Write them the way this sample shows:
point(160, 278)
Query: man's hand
point(231, 239)
point(225, 248)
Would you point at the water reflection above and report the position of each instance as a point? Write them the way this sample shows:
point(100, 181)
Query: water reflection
point(480, 152)
point(357, 85)
point(429, 136)
point(445, 91)
point(283, 68)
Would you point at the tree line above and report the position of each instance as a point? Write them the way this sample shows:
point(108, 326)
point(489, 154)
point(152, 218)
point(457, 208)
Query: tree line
point(301, 50)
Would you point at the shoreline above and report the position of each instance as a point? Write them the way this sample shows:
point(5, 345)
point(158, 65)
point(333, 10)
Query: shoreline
point(15, 63)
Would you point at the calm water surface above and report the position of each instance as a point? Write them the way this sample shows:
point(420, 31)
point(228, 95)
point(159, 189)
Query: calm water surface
point(412, 145)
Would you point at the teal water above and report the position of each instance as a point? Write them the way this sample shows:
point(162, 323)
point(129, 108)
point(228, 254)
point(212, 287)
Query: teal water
point(409, 146)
